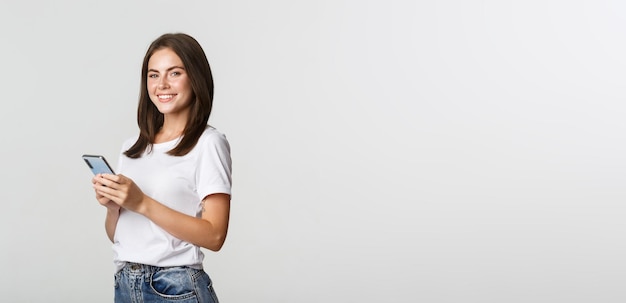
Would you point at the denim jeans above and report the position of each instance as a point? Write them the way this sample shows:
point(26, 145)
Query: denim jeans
point(139, 283)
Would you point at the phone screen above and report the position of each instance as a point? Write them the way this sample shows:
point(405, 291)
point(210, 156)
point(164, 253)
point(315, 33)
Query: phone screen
point(98, 164)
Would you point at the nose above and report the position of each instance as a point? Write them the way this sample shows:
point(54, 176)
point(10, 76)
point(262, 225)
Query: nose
point(163, 82)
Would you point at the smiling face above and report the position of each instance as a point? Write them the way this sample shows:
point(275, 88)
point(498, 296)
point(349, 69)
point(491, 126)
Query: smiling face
point(168, 84)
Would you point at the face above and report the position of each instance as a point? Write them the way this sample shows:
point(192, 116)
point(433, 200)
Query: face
point(168, 83)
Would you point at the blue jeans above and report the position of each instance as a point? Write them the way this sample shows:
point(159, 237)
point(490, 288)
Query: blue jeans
point(139, 283)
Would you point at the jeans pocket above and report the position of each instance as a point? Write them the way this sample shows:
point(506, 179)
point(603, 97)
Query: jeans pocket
point(172, 283)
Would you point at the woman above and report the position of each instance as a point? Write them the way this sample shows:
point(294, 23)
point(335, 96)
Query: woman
point(172, 194)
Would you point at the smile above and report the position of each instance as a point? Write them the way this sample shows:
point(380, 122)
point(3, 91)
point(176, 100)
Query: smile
point(165, 97)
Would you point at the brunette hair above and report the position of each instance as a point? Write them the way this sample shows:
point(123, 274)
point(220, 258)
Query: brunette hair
point(150, 120)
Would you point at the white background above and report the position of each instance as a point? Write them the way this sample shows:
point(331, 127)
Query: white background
point(384, 151)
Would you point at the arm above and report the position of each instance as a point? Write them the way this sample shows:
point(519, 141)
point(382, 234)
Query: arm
point(209, 231)
point(113, 211)
point(110, 222)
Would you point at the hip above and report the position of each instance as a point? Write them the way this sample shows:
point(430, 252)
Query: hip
point(163, 284)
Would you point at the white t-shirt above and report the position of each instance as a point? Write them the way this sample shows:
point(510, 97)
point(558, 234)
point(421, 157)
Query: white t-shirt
point(177, 182)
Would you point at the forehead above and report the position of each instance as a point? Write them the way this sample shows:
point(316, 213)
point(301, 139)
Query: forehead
point(163, 59)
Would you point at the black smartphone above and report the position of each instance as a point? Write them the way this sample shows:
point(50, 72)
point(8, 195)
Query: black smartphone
point(98, 164)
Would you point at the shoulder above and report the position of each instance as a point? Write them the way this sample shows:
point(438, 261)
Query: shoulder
point(212, 137)
point(213, 145)
point(129, 142)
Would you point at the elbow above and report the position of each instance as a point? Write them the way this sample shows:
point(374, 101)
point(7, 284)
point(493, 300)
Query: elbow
point(215, 243)
point(214, 248)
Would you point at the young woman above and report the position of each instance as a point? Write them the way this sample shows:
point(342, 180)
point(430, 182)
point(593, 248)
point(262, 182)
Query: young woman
point(171, 196)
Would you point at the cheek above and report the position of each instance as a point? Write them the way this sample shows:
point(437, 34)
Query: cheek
point(151, 88)
point(152, 96)
point(184, 85)
point(151, 85)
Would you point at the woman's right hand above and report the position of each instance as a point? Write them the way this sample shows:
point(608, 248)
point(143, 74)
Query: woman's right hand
point(104, 201)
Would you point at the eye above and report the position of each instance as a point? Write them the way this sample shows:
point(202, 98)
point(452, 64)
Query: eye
point(153, 75)
point(176, 73)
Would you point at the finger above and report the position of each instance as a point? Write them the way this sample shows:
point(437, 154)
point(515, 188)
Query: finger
point(106, 190)
point(121, 179)
point(96, 178)
point(110, 177)
point(107, 195)
point(109, 183)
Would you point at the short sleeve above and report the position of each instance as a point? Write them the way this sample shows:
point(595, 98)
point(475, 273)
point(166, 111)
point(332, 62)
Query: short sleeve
point(122, 158)
point(215, 165)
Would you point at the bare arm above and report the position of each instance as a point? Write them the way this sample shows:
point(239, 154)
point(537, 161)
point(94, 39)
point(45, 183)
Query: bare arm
point(113, 211)
point(209, 231)
point(110, 222)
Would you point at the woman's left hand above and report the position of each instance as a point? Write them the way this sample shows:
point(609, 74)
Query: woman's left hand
point(121, 190)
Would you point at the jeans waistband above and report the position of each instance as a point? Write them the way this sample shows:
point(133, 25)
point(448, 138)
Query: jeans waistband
point(140, 269)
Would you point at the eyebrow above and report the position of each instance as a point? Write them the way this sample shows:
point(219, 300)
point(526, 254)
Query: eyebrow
point(167, 70)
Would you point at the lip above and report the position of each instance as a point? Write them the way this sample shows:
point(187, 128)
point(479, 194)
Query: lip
point(166, 97)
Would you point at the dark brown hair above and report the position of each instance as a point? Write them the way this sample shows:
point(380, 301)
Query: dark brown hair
point(150, 120)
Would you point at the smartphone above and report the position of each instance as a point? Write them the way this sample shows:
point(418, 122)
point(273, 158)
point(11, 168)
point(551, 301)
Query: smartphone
point(98, 164)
